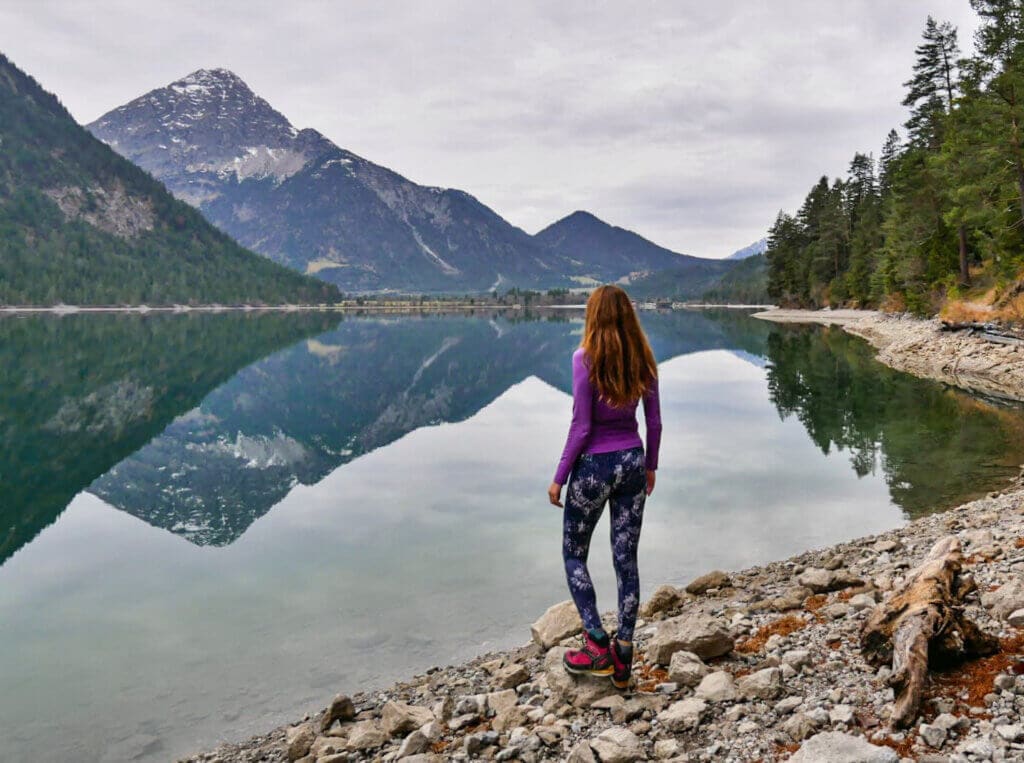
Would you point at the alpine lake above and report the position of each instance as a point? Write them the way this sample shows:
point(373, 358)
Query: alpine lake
point(212, 523)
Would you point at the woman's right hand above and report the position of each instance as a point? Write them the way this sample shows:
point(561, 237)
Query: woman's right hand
point(650, 481)
point(555, 495)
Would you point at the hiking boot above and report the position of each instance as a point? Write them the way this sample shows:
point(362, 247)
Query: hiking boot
point(595, 658)
point(622, 661)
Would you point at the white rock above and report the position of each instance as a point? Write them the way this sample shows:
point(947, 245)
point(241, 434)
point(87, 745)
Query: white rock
point(1013, 732)
point(717, 687)
point(788, 705)
point(841, 714)
point(683, 715)
point(399, 718)
point(761, 684)
point(686, 668)
point(1016, 618)
point(617, 745)
point(836, 747)
point(702, 634)
point(558, 622)
point(1006, 599)
point(797, 658)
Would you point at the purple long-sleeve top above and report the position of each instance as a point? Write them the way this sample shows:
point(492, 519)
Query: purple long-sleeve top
point(600, 428)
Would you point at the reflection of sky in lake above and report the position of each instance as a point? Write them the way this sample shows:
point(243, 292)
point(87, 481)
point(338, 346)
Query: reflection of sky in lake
point(436, 547)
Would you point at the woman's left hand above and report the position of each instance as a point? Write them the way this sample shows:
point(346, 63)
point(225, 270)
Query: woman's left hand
point(555, 495)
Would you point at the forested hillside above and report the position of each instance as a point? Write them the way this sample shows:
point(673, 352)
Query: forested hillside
point(79, 224)
point(939, 216)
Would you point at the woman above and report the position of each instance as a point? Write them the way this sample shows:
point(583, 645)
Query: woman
point(612, 371)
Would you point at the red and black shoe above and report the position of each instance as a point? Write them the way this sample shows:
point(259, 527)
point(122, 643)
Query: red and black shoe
point(622, 661)
point(595, 658)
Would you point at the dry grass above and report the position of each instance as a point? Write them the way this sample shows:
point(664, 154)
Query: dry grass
point(962, 311)
point(975, 677)
point(649, 676)
point(893, 303)
point(783, 627)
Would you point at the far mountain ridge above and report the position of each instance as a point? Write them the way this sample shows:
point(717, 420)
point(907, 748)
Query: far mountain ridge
point(758, 247)
point(296, 197)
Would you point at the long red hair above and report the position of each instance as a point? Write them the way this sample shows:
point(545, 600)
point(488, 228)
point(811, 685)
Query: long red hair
point(621, 362)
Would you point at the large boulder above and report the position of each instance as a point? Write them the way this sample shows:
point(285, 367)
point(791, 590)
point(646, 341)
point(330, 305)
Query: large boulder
point(717, 687)
point(617, 745)
point(836, 747)
point(1006, 599)
point(683, 715)
point(686, 669)
point(559, 622)
point(365, 735)
point(579, 691)
point(664, 598)
point(713, 579)
point(761, 684)
point(701, 634)
point(824, 581)
point(399, 718)
point(340, 709)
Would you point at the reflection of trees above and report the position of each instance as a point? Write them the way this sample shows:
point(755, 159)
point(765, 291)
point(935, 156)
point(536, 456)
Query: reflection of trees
point(80, 393)
point(935, 446)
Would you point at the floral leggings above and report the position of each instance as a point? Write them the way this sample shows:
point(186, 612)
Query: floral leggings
point(618, 478)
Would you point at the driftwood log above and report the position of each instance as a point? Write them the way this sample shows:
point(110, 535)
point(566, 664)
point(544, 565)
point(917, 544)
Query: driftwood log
point(923, 620)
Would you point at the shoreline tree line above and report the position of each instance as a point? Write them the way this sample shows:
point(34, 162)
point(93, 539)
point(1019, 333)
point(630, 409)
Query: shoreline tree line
point(942, 208)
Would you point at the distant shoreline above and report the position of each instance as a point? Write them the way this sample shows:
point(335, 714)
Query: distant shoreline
point(341, 307)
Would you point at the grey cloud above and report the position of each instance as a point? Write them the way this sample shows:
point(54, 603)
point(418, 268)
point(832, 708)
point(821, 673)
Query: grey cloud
point(692, 122)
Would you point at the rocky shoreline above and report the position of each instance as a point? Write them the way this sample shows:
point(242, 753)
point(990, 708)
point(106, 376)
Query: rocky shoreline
point(763, 664)
point(920, 347)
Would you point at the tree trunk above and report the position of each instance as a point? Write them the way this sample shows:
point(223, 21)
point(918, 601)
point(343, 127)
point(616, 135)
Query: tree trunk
point(1015, 142)
point(922, 620)
point(965, 271)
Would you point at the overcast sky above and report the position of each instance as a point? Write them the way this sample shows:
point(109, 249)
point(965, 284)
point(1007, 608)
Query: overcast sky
point(691, 123)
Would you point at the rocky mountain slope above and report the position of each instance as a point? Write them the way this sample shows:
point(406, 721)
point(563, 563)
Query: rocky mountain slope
point(80, 224)
point(592, 244)
point(299, 199)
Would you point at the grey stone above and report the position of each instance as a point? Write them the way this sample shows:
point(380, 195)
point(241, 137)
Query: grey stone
point(797, 658)
point(399, 718)
point(701, 634)
point(558, 622)
point(510, 676)
point(300, 739)
point(862, 601)
point(841, 714)
point(686, 668)
point(365, 735)
point(340, 709)
point(1016, 618)
point(664, 598)
point(824, 581)
point(713, 579)
point(717, 687)
point(683, 715)
point(1012, 732)
point(800, 726)
point(415, 743)
point(788, 705)
point(617, 745)
point(934, 736)
point(836, 747)
point(666, 748)
point(761, 684)
point(1006, 599)
point(581, 753)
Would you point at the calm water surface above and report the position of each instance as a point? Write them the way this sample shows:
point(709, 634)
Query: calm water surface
point(211, 524)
